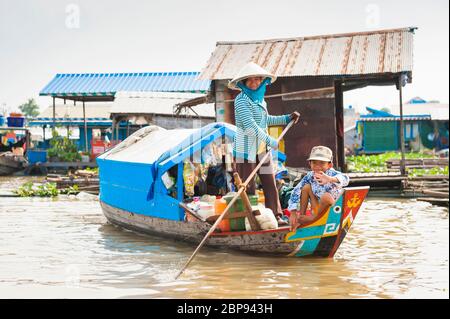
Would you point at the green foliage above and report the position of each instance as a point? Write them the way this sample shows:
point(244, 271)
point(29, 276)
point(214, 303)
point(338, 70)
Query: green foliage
point(71, 190)
point(41, 190)
point(63, 148)
point(30, 108)
point(377, 163)
point(92, 169)
point(26, 190)
point(30, 189)
point(428, 171)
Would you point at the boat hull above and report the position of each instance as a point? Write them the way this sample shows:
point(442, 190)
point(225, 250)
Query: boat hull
point(321, 238)
point(193, 232)
point(11, 164)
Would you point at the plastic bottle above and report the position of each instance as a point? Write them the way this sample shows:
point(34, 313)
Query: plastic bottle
point(261, 198)
point(219, 206)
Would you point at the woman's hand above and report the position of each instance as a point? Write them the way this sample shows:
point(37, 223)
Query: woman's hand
point(295, 116)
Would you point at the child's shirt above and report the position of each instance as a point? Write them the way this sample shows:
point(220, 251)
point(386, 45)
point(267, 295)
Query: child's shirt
point(334, 189)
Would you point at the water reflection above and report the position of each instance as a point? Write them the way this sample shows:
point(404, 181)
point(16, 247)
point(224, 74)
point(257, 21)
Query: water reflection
point(65, 248)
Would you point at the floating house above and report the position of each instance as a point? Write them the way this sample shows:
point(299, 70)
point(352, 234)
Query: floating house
point(161, 109)
point(70, 118)
point(425, 127)
point(86, 88)
point(313, 75)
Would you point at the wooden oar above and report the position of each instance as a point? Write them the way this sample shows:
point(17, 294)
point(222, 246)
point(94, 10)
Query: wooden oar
point(230, 204)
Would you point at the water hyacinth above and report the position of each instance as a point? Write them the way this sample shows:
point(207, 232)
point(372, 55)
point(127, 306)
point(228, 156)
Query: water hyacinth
point(377, 163)
point(31, 189)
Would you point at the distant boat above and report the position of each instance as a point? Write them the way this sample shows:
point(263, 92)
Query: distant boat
point(10, 164)
point(134, 196)
point(10, 161)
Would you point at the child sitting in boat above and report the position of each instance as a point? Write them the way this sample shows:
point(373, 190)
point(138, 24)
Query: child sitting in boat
point(321, 187)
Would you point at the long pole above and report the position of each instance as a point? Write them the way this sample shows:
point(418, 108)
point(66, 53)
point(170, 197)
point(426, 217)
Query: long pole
point(402, 129)
point(230, 204)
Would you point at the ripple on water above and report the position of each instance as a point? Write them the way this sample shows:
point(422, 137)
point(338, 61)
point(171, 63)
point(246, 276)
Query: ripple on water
point(395, 249)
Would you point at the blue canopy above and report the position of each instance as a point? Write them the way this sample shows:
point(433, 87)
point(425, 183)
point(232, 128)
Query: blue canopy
point(131, 173)
point(105, 85)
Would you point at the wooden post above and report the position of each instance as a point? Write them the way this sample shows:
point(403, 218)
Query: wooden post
point(402, 127)
point(85, 129)
point(27, 139)
point(222, 105)
point(117, 128)
point(112, 128)
point(54, 113)
point(247, 205)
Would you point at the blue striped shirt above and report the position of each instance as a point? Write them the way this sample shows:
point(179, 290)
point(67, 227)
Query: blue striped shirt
point(252, 121)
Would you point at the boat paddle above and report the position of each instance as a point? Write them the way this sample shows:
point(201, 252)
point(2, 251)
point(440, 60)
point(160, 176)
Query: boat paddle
point(242, 188)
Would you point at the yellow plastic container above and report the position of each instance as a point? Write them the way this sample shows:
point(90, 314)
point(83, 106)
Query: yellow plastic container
point(261, 198)
point(275, 132)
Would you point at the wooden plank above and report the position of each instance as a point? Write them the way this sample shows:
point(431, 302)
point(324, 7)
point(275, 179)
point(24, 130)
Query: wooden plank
point(435, 201)
point(423, 161)
point(434, 193)
point(233, 215)
point(190, 211)
point(429, 177)
point(373, 179)
point(247, 205)
point(69, 164)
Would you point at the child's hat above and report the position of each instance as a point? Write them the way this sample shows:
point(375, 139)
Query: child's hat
point(321, 153)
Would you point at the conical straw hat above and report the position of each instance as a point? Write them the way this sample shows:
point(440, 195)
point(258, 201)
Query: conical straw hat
point(250, 70)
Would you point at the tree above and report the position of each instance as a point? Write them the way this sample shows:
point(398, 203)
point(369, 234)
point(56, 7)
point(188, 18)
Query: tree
point(30, 108)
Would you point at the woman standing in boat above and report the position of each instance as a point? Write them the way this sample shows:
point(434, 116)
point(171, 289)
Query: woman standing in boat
point(252, 140)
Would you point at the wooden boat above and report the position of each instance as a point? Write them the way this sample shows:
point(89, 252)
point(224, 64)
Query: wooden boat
point(10, 164)
point(134, 196)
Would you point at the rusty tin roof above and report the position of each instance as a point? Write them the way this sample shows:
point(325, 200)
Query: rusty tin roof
point(383, 51)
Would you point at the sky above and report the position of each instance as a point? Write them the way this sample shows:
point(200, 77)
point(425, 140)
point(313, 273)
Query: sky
point(39, 38)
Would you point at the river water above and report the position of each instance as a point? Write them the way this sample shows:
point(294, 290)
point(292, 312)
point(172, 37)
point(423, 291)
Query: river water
point(64, 248)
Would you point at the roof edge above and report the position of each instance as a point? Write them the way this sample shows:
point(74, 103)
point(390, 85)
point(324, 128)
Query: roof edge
point(315, 37)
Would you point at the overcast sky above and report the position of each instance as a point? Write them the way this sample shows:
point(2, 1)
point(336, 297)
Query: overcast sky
point(39, 38)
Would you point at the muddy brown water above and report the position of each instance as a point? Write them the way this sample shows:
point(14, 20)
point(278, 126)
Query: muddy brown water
point(64, 248)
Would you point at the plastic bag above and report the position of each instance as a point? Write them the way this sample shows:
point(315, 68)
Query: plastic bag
point(189, 178)
point(266, 220)
point(168, 180)
point(212, 154)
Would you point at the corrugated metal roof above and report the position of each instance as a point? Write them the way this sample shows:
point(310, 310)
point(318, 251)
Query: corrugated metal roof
point(93, 110)
point(384, 51)
point(107, 84)
point(90, 121)
point(437, 111)
point(97, 114)
point(158, 103)
point(395, 118)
